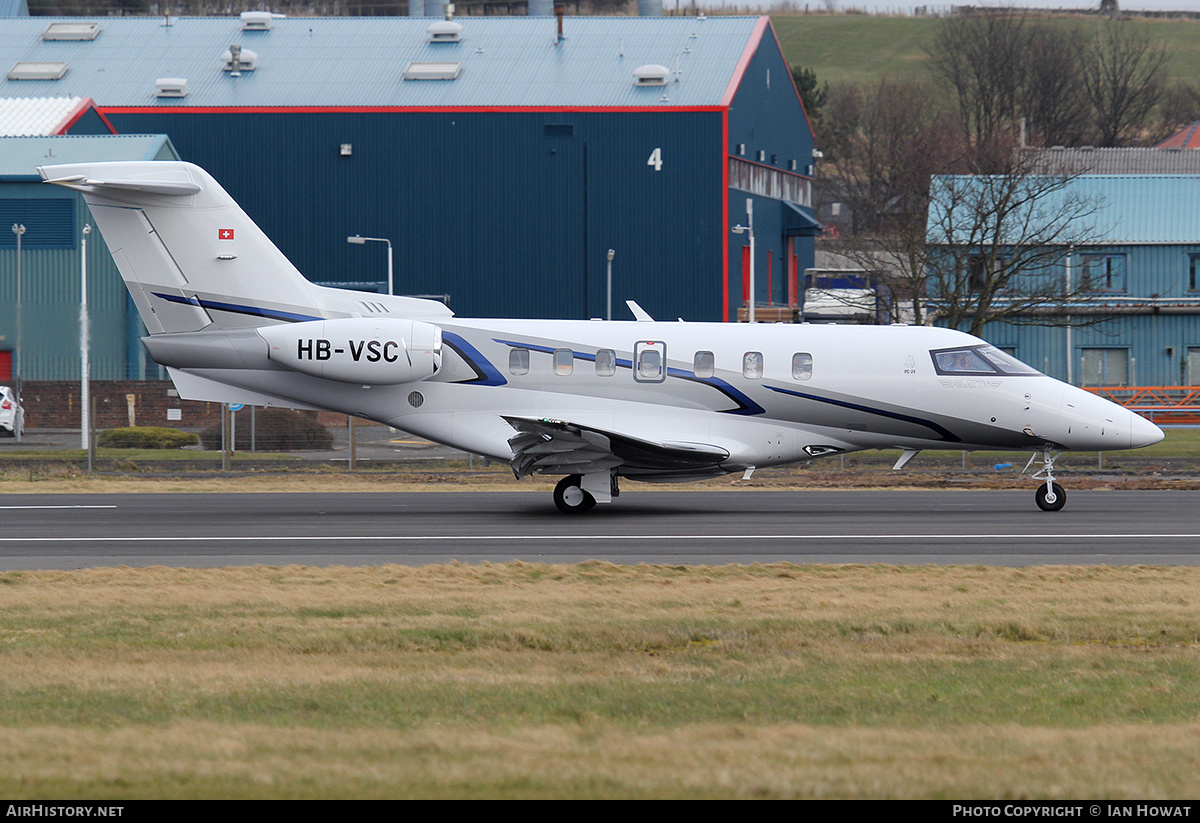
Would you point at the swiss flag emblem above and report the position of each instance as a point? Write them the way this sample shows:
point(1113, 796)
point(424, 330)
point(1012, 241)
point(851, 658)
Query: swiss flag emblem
point(224, 234)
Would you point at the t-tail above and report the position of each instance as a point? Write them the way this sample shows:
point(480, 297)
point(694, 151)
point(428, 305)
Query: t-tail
point(193, 260)
point(227, 312)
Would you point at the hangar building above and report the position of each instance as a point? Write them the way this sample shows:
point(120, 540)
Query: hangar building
point(501, 158)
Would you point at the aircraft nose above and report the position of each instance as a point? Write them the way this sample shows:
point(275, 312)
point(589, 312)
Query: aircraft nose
point(1142, 432)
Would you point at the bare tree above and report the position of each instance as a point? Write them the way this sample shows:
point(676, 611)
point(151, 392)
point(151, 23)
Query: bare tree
point(1000, 66)
point(979, 58)
point(996, 245)
point(1050, 98)
point(1124, 78)
point(883, 143)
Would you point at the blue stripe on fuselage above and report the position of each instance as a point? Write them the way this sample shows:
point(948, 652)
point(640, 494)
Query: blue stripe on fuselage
point(943, 433)
point(489, 375)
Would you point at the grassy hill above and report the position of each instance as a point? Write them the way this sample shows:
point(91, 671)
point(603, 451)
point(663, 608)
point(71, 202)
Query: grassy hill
point(860, 48)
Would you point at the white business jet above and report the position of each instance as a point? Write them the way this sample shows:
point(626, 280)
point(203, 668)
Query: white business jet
point(234, 322)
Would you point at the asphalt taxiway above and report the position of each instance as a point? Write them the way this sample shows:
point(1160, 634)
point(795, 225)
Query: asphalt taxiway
point(58, 531)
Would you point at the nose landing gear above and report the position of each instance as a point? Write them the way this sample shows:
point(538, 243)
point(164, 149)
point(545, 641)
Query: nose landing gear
point(1050, 496)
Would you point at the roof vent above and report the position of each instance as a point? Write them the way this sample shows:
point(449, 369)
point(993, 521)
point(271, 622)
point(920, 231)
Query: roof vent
point(170, 87)
point(651, 74)
point(444, 31)
point(432, 71)
point(245, 59)
point(256, 21)
point(28, 70)
point(71, 31)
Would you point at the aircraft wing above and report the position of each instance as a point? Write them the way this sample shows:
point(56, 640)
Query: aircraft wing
point(562, 447)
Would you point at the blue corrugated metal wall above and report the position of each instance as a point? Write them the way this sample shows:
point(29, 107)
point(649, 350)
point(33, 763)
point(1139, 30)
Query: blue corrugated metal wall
point(1157, 343)
point(50, 293)
point(767, 125)
point(510, 213)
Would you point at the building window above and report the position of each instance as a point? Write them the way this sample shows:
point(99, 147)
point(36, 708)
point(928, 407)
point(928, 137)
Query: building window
point(1104, 272)
point(518, 361)
point(1193, 366)
point(1194, 272)
point(1105, 367)
point(704, 364)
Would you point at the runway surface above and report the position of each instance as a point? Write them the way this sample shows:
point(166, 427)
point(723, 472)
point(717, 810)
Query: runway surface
point(684, 527)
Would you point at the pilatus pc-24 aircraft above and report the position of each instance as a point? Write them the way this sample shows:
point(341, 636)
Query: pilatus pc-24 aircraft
point(594, 401)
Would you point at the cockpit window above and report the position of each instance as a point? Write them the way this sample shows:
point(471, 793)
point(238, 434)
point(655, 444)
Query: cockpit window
point(983, 359)
point(1006, 362)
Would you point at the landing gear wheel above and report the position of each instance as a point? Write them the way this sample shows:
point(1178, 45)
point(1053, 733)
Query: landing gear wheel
point(1051, 499)
point(570, 497)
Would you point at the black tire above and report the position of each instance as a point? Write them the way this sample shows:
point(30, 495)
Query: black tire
point(570, 497)
point(1053, 500)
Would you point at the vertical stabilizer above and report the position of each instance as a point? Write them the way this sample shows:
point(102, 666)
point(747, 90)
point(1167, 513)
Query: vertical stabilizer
point(190, 256)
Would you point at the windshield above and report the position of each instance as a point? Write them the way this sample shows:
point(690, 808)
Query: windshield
point(982, 359)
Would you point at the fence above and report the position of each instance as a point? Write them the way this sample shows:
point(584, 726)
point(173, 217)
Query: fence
point(52, 415)
point(1169, 405)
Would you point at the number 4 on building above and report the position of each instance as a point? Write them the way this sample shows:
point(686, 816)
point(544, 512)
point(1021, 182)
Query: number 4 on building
point(655, 159)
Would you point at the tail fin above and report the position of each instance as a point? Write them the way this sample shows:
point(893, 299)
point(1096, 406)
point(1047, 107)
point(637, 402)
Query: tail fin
point(190, 257)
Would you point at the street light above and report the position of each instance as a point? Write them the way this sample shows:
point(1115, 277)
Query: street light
point(84, 365)
point(608, 312)
point(18, 230)
point(359, 241)
point(749, 229)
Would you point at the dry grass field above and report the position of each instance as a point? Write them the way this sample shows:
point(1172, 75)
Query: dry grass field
point(595, 680)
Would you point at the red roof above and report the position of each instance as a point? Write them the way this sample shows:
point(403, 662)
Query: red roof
point(1189, 138)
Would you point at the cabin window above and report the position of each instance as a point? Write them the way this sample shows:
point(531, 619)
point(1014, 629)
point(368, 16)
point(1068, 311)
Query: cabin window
point(564, 361)
point(752, 365)
point(606, 363)
point(650, 361)
point(518, 361)
point(650, 365)
point(801, 365)
point(704, 364)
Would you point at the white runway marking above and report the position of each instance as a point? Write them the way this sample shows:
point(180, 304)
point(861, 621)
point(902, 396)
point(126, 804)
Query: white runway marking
point(409, 538)
point(57, 507)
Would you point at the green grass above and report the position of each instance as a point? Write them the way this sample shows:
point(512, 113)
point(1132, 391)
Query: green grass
point(854, 48)
point(596, 680)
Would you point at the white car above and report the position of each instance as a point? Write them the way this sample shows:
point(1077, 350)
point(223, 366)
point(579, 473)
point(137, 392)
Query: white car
point(12, 418)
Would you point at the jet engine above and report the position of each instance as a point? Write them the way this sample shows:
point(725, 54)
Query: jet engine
point(370, 351)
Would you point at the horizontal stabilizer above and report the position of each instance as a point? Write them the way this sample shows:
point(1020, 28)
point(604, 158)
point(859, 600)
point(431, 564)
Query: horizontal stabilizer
point(84, 183)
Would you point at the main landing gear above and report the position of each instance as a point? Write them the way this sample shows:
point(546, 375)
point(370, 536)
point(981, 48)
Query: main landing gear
point(578, 493)
point(570, 497)
point(1050, 496)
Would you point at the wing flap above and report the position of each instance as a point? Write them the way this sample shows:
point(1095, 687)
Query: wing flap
point(562, 447)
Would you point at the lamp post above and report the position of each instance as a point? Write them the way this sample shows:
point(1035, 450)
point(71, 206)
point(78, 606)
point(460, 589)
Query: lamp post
point(84, 364)
point(608, 311)
point(749, 229)
point(19, 231)
point(359, 241)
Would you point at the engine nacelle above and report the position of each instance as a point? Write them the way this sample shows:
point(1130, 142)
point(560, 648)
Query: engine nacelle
point(370, 351)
